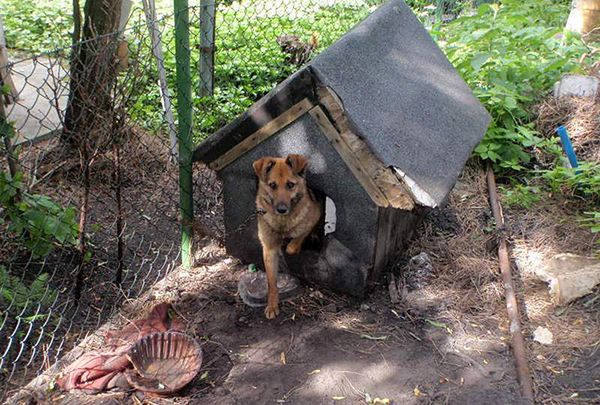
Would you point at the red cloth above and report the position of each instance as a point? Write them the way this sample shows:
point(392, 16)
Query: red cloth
point(98, 371)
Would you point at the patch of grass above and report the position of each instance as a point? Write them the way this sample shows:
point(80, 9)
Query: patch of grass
point(583, 182)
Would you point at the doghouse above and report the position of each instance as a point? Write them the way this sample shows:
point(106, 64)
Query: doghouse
point(387, 124)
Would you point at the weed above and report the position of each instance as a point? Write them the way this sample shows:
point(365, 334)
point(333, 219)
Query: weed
point(510, 54)
point(520, 195)
point(35, 220)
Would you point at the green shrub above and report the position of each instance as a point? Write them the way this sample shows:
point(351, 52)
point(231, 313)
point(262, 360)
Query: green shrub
point(591, 220)
point(510, 55)
point(25, 302)
point(35, 220)
point(20, 295)
point(583, 181)
point(37, 26)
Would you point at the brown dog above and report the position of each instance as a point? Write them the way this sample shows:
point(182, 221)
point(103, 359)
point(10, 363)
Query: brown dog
point(287, 210)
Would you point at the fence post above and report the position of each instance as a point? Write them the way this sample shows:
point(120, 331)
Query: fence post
point(5, 76)
point(184, 112)
point(165, 95)
point(207, 47)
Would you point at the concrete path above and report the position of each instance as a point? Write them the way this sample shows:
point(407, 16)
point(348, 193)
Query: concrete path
point(42, 84)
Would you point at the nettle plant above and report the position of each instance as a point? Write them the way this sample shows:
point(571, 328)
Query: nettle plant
point(25, 299)
point(33, 220)
point(37, 26)
point(510, 54)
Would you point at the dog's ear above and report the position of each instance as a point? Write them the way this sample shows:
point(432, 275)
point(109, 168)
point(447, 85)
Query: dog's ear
point(298, 164)
point(262, 167)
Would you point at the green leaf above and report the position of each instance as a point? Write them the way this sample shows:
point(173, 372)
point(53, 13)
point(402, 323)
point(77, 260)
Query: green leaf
point(479, 60)
point(437, 324)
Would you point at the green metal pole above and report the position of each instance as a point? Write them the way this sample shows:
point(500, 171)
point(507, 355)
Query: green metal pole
point(184, 133)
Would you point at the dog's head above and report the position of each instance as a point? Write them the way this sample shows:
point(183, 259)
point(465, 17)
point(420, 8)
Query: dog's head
point(281, 183)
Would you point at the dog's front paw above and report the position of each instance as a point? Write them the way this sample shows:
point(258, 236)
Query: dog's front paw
point(271, 312)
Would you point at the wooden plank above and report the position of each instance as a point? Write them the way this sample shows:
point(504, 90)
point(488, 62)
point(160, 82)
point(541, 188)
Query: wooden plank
point(273, 126)
point(394, 190)
point(395, 228)
point(382, 241)
point(207, 47)
point(348, 156)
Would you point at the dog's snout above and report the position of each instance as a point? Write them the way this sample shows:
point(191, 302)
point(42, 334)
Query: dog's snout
point(282, 209)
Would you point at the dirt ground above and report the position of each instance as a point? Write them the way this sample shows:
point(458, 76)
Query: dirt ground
point(323, 348)
point(445, 341)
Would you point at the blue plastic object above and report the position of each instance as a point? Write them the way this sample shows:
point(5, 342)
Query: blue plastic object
point(567, 147)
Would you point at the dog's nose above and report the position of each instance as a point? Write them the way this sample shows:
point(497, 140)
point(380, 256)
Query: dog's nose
point(282, 209)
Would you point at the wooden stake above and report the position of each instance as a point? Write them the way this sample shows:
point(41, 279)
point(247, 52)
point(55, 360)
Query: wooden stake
point(517, 341)
point(165, 96)
point(207, 47)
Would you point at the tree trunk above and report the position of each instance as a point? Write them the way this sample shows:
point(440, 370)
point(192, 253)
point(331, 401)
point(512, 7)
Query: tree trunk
point(584, 18)
point(92, 76)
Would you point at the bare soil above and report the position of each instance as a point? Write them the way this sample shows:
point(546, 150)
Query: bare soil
point(446, 341)
point(323, 348)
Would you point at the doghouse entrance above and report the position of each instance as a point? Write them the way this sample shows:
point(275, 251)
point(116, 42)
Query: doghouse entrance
point(325, 226)
point(330, 218)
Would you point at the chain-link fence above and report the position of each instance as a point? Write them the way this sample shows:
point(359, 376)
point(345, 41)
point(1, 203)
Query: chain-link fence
point(89, 188)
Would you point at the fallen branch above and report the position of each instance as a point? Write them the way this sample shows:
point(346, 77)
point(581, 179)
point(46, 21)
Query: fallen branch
point(517, 342)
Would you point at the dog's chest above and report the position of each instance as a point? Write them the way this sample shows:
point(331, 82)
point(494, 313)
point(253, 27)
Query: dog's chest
point(288, 226)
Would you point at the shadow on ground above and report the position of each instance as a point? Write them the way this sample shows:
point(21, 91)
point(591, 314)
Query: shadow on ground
point(322, 348)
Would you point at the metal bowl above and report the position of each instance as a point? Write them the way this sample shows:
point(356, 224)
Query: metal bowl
point(252, 288)
point(163, 362)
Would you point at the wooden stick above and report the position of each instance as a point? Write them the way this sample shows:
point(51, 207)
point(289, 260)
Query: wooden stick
point(517, 341)
point(165, 95)
point(207, 47)
point(5, 76)
point(348, 156)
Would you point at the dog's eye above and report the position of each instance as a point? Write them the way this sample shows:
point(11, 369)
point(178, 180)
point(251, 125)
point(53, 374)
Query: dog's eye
point(290, 185)
point(273, 185)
